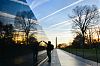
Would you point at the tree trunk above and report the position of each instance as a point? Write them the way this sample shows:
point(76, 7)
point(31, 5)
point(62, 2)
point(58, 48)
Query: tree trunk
point(27, 38)
point(98, 37)
point(83, 43)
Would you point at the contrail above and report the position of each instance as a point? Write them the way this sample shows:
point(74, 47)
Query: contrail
point(61, 9)
point(37, 3)
point(52, 26)
point(18, 1)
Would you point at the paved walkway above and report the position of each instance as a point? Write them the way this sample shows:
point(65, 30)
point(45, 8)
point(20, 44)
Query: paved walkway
point(54, 60)
point(62, 58)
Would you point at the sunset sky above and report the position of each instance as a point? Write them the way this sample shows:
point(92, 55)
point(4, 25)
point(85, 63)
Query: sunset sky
point(52, 15)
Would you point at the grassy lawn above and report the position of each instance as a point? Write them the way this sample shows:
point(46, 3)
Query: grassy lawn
point(88, 53)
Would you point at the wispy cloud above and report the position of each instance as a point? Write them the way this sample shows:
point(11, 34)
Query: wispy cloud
point(18, 1)
point(99, 10)
point(7, 15)
point(61, 9)
point(36, 3)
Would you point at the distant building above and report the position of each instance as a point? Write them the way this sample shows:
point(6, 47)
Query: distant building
point(63, 45)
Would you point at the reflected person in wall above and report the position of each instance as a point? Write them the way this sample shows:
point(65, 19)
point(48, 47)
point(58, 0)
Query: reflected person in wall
point(35, 47)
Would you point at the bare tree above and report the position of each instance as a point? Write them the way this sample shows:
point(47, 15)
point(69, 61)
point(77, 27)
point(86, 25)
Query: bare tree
point(1, 29)
point(8, 28)
point(97, 30)
point(83, 18)
point(24, 20)
point(89, 36)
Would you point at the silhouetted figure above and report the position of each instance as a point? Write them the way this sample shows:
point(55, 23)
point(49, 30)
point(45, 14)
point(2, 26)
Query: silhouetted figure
point(49, 49)
point(35, 44)
point(35, 50)
point(35, 47)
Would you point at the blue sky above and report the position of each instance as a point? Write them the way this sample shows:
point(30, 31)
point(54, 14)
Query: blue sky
point(52, 15)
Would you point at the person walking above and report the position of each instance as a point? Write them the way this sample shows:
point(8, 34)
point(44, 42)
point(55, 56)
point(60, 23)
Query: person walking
point(49, 48)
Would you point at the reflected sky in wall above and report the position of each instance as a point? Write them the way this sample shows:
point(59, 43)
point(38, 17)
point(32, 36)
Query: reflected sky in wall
point(9, 9)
